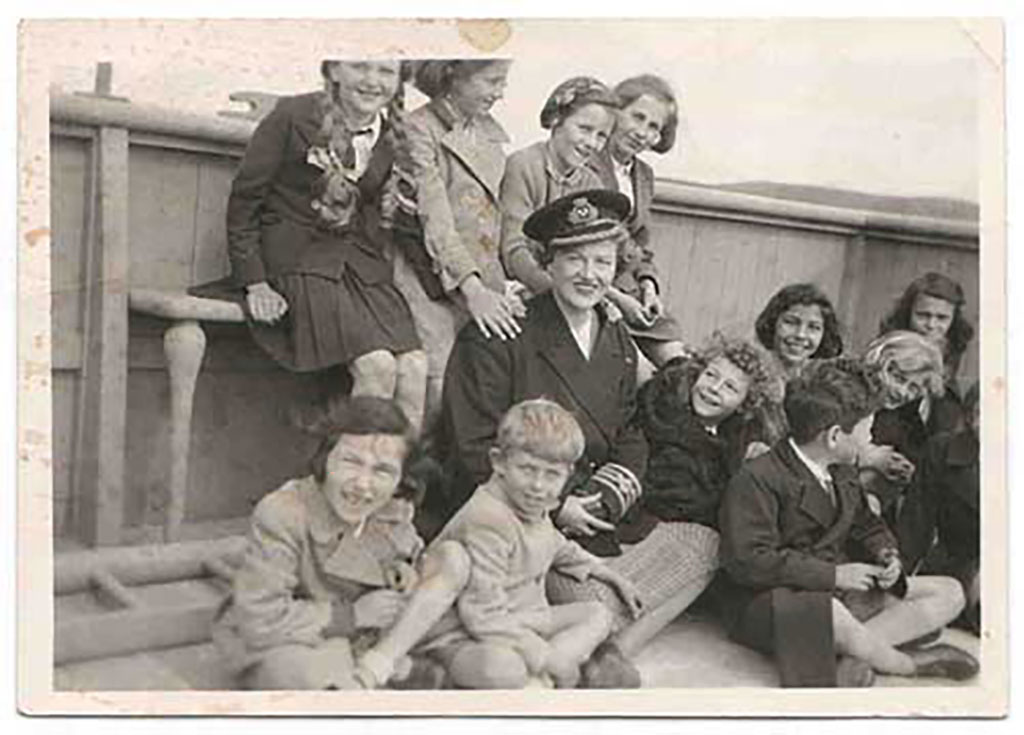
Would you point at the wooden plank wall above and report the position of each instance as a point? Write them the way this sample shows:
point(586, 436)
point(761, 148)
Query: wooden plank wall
point(719, 269)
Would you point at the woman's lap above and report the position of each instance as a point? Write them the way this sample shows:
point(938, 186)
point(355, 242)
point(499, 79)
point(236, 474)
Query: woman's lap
point(672, 558)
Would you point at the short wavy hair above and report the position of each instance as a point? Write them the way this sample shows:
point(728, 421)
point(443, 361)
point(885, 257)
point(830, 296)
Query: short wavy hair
point(542, 428)
point(572, 95)
point(362, 415)
point(629, 90)
point(942, 287)
point(836, 392)
point(914, 354)
point(800, 294)
point(748, 357)
point(435, 77)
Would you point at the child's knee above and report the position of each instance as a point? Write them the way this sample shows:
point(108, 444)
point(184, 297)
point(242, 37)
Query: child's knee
point(377, 367)
point(597, 616)
point(951, 593)
point(412, 366)
point(488, 667)
point(449, 563)
point(843, 624)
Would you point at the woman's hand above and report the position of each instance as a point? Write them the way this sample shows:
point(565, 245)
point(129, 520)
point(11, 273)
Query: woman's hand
point(378, 609)
point(624, 587)
point(494, 313)
point(265, 304)
point(574, 518)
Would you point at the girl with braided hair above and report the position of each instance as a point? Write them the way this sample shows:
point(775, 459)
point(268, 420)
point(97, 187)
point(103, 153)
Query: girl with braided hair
point(308, 234)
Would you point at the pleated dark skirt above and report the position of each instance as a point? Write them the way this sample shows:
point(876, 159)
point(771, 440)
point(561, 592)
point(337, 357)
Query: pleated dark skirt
point(332, 322)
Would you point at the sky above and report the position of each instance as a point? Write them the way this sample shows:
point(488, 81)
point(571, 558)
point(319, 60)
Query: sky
point(882, 106)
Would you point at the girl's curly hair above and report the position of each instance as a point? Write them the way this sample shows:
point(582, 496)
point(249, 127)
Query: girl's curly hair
point(749, 358)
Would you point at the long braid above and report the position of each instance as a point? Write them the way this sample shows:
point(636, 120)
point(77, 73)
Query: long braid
point(400, 191)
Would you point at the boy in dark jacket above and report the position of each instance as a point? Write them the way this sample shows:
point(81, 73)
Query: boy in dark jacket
point(814, 572)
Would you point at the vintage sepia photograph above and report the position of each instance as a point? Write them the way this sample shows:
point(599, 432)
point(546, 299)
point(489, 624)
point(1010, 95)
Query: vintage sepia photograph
point(462, 367)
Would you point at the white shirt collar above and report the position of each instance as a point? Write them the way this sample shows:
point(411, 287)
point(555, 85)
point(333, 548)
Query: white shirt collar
point(821, 474)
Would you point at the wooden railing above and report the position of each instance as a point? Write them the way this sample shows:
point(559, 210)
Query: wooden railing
point(138, 200)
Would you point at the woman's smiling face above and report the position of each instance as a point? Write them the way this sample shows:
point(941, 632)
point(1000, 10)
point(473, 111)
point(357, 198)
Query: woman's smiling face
point(798, 333)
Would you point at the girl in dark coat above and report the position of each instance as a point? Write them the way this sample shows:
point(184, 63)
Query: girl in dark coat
point(917, 407)
point(308, 239)
point(692, 414)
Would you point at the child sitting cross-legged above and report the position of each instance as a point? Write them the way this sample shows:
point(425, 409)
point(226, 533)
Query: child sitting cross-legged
point(509, 632)
point(815, 574)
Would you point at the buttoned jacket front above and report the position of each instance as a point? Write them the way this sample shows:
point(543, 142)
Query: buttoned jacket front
point(457, 166)
point(299, 559)
point(272, 227)
point(486, 377)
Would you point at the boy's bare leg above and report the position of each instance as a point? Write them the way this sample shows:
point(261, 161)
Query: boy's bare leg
point(930, 603)
point(637, 634)
point(853, 638)
point(575, 630)
point(445, 571)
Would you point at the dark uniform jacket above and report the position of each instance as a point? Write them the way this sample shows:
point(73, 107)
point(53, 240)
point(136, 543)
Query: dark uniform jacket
point(272, 226)
point(782, 539)
point(486, 377)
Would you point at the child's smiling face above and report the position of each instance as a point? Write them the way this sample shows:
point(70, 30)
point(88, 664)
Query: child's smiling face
point(362, 474)
point(531, 483)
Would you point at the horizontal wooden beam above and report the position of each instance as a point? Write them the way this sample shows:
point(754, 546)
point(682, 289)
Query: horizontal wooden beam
point(137, 565)
point(99, 112)
point(129, 631)
point(676, 197)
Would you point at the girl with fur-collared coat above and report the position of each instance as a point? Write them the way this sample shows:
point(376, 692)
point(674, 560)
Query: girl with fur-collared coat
point(693, 414)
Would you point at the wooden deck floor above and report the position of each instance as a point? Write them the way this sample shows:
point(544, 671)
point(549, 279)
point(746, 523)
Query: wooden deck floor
point(689, 653)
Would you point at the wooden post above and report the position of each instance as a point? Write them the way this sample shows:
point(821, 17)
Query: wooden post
point(99, 473)
point(184, 345)
point(852, 281)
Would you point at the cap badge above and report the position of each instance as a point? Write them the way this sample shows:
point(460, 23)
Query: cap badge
point(582, 212)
